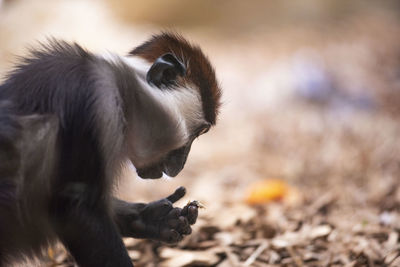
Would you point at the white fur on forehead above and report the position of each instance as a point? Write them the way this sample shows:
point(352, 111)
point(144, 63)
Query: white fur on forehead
point(140, 65)
point(137, 63)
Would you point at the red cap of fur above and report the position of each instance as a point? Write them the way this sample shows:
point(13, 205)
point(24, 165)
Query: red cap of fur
point(199, 70)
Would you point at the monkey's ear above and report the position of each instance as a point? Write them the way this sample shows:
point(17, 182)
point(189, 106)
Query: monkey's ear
point(165, 70)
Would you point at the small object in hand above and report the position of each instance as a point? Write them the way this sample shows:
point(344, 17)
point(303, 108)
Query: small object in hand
point(190, 211)
point(196, 203)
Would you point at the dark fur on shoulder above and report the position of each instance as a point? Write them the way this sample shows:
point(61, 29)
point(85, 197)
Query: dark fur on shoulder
point(10, 132)
point(50, 81)
point(57, 79)
point(25, 142)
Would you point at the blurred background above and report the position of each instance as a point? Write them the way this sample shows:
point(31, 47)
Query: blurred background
point(303, 167)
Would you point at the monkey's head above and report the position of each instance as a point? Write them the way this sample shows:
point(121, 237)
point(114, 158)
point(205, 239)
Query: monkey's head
point(182, 81)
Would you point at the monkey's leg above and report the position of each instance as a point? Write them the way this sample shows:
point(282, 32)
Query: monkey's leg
point(91, 236)
point(157, 220)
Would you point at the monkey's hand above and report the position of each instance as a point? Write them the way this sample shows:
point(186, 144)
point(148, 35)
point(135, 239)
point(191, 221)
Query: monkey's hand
point(159, 220)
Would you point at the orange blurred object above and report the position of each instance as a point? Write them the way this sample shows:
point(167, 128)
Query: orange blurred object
point(266, 191)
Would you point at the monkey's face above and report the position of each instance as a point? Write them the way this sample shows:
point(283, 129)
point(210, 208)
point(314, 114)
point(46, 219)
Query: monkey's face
point(182, 81)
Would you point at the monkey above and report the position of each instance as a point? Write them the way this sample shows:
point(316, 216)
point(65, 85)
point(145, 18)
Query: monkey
point(73, 119)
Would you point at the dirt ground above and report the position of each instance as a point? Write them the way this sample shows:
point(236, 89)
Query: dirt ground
point(312, 106)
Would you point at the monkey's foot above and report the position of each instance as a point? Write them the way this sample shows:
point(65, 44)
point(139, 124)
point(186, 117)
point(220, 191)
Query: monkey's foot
point(159, 220)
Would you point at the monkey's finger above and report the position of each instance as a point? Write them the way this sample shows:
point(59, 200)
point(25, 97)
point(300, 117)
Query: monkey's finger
point(192, 214)
point(170, 236)
point(172, 219)
point(178, 194)
point(184, 226)
point(187, 230)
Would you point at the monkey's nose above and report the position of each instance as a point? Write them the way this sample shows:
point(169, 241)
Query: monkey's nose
point(172, 171)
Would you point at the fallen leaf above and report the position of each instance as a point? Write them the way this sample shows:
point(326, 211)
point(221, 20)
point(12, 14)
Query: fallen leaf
point(178, 258)
point(266, 190)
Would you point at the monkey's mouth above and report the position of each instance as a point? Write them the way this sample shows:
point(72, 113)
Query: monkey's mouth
point(153, 172)
point(156, 172)
point(171, 165)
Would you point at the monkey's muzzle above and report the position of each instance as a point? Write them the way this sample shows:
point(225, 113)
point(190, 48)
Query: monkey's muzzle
point(152, 172)
point(171, 165)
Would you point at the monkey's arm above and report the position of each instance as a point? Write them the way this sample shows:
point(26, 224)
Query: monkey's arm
point(157, 220)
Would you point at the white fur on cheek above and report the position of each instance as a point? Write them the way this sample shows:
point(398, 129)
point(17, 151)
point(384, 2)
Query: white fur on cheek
point(185, 105)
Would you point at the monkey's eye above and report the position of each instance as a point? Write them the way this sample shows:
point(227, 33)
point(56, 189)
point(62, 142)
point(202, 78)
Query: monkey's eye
point(203, 130)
